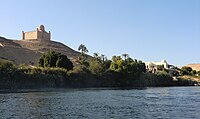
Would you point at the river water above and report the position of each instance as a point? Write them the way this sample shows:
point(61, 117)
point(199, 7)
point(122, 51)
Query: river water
point(148, 103)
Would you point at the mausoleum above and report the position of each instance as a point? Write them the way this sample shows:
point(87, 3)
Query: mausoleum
point(38, 35)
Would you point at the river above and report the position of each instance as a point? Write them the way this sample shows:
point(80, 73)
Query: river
point(102, 103)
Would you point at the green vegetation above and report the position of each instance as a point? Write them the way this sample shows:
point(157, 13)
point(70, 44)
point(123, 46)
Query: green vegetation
point(53, 59)
point(198, 73)
point(186, 70)
point(83, 56)
point(160, 67)
point(189, 72)
point(56, 70)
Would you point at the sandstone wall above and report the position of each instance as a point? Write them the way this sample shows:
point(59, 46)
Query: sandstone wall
point(43, 35)
point(30, 35)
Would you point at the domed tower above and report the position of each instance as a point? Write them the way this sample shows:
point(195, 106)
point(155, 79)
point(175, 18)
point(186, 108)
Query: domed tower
point(41, 28)
point(38, 35)
point(42, 35)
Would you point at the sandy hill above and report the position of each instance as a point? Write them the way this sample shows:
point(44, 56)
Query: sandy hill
point(28, 52)
point(194, 66)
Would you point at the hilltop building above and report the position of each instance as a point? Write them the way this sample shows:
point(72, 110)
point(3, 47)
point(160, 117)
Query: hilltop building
point(38, 35)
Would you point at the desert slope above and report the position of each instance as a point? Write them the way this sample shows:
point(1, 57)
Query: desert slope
point(28, 52)
point(194, 66)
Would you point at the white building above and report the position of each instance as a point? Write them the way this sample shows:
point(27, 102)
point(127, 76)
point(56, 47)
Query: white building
point(152, 66)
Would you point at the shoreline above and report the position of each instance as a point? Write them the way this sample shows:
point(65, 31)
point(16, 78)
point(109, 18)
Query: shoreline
point(35, 90)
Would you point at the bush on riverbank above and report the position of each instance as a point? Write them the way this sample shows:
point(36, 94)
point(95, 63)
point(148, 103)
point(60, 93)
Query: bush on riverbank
point(13, 77)
point(117, 72)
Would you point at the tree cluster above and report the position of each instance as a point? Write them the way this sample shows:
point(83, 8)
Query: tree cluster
point(53, 59)
point(56, 70)
point(187, 71)
point(119, 64)
point(127, 65)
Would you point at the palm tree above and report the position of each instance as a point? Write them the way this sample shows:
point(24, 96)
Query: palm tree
point(96, 55)
point(125, 56)
point(83, 49)
point(103, 57)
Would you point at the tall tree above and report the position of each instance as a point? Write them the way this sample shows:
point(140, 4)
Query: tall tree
point(82, 58)
point(125, 56)
point(103, 57)
point(95, 55)
point(83, 49)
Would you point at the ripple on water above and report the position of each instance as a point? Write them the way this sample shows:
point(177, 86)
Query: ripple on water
point(164, 103)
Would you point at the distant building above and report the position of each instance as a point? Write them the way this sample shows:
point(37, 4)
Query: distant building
point(38, 35)
point(152, 66)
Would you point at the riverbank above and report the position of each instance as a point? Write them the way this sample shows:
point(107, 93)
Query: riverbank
point(116, 73)
point(39, 78)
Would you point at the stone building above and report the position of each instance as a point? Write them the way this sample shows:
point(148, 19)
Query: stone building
point(38, 35)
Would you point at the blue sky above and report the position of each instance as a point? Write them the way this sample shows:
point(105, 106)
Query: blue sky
point(149, 30)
